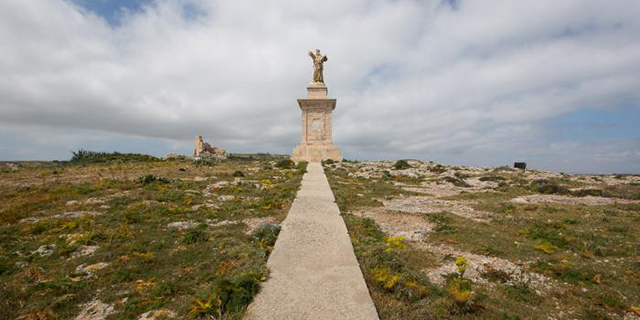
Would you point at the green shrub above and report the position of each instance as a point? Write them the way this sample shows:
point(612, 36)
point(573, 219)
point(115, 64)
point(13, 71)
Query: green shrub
point(437, 169)
point(206, 162)
point(456, 182)
point(87, 156)
point(461, 175)
point(443, 222)
point(285, 164)
point(148, 179)
point(547, 187)
point(302, 166)
point(228, 295)
point(327, 162)
point(267, 234)
point(522, 292)
point(547, 232)
point(238, 173)
point(401, 165)
point(588, 192)
point(196, 235)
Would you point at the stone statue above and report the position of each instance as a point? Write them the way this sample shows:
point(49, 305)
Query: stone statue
point(318, 61)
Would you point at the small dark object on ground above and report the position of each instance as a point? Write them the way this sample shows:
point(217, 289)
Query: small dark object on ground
point(492, 178)
point(238, 173)
point(457, 182)
point(401, 165)
point(520, 165)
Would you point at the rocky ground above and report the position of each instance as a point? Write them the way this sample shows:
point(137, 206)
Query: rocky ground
point(129, 239)
point(536, 245)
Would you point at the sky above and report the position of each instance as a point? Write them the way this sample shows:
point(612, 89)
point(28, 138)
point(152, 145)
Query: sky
point(553, 83)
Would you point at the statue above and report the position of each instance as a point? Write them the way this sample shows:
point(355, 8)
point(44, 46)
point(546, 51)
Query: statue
point(318, 61)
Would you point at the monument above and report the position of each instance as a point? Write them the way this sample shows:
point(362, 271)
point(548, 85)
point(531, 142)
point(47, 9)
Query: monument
point(317, 141)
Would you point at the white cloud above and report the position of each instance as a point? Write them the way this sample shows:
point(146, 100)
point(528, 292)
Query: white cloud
point(412, 78)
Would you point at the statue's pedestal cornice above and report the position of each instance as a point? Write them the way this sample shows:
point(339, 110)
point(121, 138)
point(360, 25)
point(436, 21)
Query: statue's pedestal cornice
point(317, 91)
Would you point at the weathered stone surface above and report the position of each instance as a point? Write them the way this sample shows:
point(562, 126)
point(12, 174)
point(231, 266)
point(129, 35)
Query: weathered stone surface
point(92, 268)
point(173, 156)
point(84, 251)
point(157, 314)
point(46, 250)
point(95, 310)
point(205, 150)
point(317, 140)
point(314, 273)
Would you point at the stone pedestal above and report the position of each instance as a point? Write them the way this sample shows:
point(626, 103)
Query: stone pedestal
point(317, 141)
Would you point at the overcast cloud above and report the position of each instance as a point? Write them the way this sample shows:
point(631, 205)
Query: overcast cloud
point(461, 82)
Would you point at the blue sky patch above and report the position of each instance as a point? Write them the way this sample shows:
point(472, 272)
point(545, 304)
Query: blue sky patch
point(112, 10)
point(598, 124)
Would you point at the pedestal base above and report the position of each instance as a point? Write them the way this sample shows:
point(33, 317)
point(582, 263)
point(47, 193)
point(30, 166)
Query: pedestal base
point(315, 152)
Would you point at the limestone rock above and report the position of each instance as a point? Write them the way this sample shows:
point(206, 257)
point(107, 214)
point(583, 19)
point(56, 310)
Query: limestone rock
point(91, 269)
point(205, 150)
point(84, 251)
point(95, 310)
point(46, 250)
point(183, 225)
point(157, 314)
point(173, 156)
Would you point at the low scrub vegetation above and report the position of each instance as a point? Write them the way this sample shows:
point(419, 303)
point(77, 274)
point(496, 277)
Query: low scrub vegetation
point(139, 235)
point(86, 156)
point(574, 261)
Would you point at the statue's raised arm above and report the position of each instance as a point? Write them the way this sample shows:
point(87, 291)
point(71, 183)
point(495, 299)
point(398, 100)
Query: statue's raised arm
point(318, 61)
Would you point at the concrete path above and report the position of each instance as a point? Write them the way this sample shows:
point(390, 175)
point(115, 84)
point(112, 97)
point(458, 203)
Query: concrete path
point(314, 272)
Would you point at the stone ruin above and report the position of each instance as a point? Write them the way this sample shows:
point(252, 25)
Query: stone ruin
point(205, 150)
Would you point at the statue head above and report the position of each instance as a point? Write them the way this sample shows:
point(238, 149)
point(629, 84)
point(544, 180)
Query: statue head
point(317, 51)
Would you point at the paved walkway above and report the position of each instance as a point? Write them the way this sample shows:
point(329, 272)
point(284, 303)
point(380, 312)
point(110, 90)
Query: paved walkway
point(314, 272)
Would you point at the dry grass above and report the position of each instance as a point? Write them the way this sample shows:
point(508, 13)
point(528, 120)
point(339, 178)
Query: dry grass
point(122, 212)
point(581, 262)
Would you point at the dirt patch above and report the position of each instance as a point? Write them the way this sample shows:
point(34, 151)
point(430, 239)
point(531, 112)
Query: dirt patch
point(411, 227)
point(553, 198)
point(431, 205)
point(254, 223)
